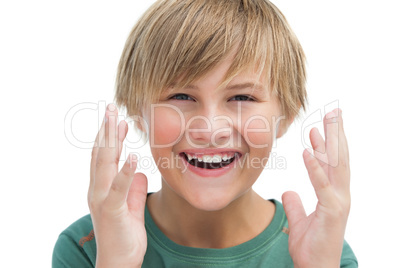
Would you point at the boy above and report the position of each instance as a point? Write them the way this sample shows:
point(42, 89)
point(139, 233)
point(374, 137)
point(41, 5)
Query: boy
point(214, 83)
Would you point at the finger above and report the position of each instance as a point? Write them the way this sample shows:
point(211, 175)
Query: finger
point(319, 180)
point(120, 187)
point(343, 145)
point(110, 130)
point(337, 151)
point(331, 127)
point(122, 130)
point(137, 195)
point(107, 161)
point(94, 154)
point(122, 133)
point(318, 144)
point(293, 208)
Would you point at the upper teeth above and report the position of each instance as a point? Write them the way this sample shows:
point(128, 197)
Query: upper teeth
point(216, 158)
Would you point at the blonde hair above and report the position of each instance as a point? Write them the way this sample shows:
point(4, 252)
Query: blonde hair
point(179, 41)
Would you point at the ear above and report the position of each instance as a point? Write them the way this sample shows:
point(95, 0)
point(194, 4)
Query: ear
point(283, 126)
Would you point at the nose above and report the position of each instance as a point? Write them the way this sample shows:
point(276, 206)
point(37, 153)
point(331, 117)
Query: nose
point(209, 127)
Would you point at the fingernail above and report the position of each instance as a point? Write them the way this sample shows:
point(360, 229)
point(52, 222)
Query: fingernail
point(111, 107)
point(336, 111)
point(133, 158)
point(330, 115)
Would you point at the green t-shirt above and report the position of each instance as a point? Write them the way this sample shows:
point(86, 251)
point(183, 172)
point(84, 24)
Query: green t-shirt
point(76, 247)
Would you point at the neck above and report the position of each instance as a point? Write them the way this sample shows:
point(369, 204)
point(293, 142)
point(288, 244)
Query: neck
point(247, 216)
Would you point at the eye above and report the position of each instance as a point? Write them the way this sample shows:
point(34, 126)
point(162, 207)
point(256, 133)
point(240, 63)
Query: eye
point(242, 98)
point(181, 96)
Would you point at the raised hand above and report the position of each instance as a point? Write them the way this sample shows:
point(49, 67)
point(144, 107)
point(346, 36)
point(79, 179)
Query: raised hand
point(316, 240)
point(116, 199)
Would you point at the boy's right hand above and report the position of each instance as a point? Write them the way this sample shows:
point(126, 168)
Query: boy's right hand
point(116, 199)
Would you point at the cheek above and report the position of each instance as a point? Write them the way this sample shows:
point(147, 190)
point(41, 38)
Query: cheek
point(258, 132)
point(166, 127)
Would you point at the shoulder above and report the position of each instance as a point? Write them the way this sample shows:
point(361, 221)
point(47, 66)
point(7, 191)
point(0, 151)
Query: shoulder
point(80, 231)
point(75, 246)
point(348, 259)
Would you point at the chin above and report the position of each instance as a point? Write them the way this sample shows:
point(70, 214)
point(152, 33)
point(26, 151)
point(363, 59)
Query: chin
point(210, 202)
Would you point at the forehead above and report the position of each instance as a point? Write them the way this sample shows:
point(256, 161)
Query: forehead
point(227, 73)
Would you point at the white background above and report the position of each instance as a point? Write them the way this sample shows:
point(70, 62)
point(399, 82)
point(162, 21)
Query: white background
point(55, 55)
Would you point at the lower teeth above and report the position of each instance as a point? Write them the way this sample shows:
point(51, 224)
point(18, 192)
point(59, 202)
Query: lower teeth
point(206, 165)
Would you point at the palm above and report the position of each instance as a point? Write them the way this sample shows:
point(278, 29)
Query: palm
point(317, 239)
point(116, 199)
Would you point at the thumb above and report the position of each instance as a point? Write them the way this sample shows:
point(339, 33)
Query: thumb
point(293, 208)
point(137, 195)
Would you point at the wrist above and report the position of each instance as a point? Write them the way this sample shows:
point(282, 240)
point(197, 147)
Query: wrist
point(113, 265)
point(326, 265)
point(117, 263)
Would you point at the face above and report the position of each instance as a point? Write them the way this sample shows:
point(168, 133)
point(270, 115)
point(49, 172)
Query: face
point(211, 143)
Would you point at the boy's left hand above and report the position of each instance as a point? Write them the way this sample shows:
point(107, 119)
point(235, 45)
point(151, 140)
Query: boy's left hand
point(317, 240)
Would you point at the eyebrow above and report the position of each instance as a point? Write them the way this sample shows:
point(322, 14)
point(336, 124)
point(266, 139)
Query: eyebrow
point(255, 86)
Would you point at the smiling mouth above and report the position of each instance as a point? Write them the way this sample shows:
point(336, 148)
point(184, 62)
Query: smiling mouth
point(209, 162)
